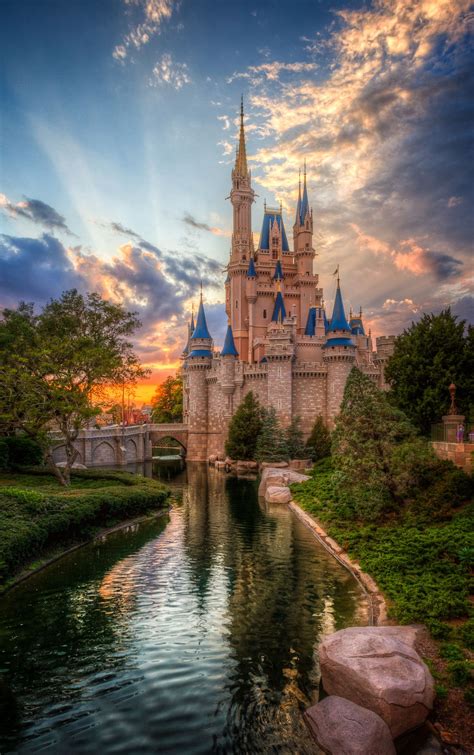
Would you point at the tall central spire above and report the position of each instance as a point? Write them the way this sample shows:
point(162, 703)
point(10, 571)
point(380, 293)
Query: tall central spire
point(241, 157)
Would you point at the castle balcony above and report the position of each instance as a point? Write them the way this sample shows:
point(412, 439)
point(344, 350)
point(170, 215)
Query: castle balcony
point(309, 369)
point(255, 371)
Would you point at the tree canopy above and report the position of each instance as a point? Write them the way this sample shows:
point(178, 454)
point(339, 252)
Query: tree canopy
point(272, 441)
point(56, 366)
point(318, 445)
point(168, 400)
point(244, 428)
point(428, 356)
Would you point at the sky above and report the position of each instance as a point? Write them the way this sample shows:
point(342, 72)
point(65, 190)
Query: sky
point(118, 123)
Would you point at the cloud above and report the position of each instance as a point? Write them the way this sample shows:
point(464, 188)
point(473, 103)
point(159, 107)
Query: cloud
point(37, 212)
point(155, 283)
point(190, 220)
point(154, 13)
point(385, 129)
point(411, 256)
point(168, 71)
point(271, 71)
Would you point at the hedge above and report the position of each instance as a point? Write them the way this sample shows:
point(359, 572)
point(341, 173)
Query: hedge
point(32, 521)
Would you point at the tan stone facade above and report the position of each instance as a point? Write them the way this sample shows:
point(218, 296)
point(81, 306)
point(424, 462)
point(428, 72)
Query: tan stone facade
point(280, 343)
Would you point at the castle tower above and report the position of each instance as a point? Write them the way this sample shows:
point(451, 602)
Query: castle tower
point(306, 282)
point(279, 356)
point(229, 354)
point(241, 196)
point(338, 355)
point(197, 366)
point(251, 294)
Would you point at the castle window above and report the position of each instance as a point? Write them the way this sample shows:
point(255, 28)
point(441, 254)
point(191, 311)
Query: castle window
point(236, 303)
point(264, 314)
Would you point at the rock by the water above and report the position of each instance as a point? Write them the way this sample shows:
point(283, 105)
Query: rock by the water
point(212, 458)
point(341, 727)
point(277, 494)
point(378, 668)
point(220, 465)
point(279, 476)
point(274, 464)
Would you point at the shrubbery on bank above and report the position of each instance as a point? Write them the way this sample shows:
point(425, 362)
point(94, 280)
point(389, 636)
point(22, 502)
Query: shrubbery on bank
point(36, 515)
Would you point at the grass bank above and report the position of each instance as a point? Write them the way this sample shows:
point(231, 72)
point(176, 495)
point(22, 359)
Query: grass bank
point(38, 516)
point(423, 567)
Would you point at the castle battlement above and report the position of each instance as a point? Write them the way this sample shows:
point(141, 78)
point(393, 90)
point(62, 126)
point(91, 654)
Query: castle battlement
point(280, 342)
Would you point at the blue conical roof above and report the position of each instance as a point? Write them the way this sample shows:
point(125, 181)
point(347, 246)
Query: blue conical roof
point(268, 220)
point(279, 311)
point(357, 327)
point(251, 272)
point(192, 325)
point(338, 319)
point(278, 274)
point(229, 349)
point(304, 206)
point(201, 331)
point(311, 322)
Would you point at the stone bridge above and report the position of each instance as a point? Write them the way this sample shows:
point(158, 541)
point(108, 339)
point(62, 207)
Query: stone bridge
point(117, 445)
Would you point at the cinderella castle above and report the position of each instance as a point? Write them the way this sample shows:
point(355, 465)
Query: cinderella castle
point(280, 343)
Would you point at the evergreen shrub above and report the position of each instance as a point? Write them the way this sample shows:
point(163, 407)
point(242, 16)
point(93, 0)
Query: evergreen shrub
point(244, 429)
point(318, 445)
point(271, 442)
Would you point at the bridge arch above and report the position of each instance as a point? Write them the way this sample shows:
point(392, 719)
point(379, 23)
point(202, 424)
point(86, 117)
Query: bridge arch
point(176, 432)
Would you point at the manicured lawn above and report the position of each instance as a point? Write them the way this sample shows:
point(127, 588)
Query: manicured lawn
point(37, 514)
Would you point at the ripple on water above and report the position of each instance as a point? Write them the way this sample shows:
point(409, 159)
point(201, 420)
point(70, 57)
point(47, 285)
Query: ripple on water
point(195, 635)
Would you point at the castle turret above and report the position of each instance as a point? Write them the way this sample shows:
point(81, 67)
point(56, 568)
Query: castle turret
point(251, 293)
point(198, 363)
point(338, 355)
point(242, 197)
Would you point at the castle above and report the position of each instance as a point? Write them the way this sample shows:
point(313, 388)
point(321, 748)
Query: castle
point(280, 343)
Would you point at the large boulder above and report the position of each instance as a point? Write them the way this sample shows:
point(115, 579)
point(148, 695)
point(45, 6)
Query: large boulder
point(280, 477)
point(277, 494)
point(378, 668)
point(341, 727)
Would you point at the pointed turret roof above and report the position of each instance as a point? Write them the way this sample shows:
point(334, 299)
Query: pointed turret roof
point(241, 157)
point(311, 322)
point(229, 349)
point(201, 331)
point(304, 204)
point(298, 205)
point(191, 327)
point(279, 311)
point(338, 320)
point(278, 274)
point(251, 272)
point(191, 324)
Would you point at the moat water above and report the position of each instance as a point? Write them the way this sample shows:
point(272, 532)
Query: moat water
point(193, 633)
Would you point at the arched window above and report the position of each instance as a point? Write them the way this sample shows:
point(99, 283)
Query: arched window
point(264, 314)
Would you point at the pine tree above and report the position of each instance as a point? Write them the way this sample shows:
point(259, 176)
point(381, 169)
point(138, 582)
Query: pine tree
point(271, 442)
point(244, 429)
point(294, 439)
point(427, 357)
point(318, 445)
point(368, 428)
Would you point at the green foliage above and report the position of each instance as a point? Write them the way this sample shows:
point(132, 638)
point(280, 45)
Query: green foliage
point(294, 439)
point(466, 634)
point(18, 451)
point(438, 629)
point(363, 444)
point(441, 691)
point(168, 400)
point(244, 429)
point(461, 672)
point(53, 363)
point(451, 652)
point(32, 521)
point(428, 356)
point(318, 445)
point(416, 564)
point(271, 442)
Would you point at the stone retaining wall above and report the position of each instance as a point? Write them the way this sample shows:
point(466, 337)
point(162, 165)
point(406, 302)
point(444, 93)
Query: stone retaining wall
point(377, 604)
point(460, 454)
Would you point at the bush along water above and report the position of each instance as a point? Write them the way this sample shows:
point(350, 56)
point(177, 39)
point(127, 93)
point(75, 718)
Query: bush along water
point(405, 515)
point(37, 515)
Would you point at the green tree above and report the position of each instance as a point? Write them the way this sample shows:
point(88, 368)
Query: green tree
point(168, 400)
point(55, 367)
point(271, 442)
point(244, 429)
point(367, 429)
point(428, 356)
point(318, 445)
point(294, 439)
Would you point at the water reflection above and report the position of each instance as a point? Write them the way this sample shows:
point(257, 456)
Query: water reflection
point(194, 637)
